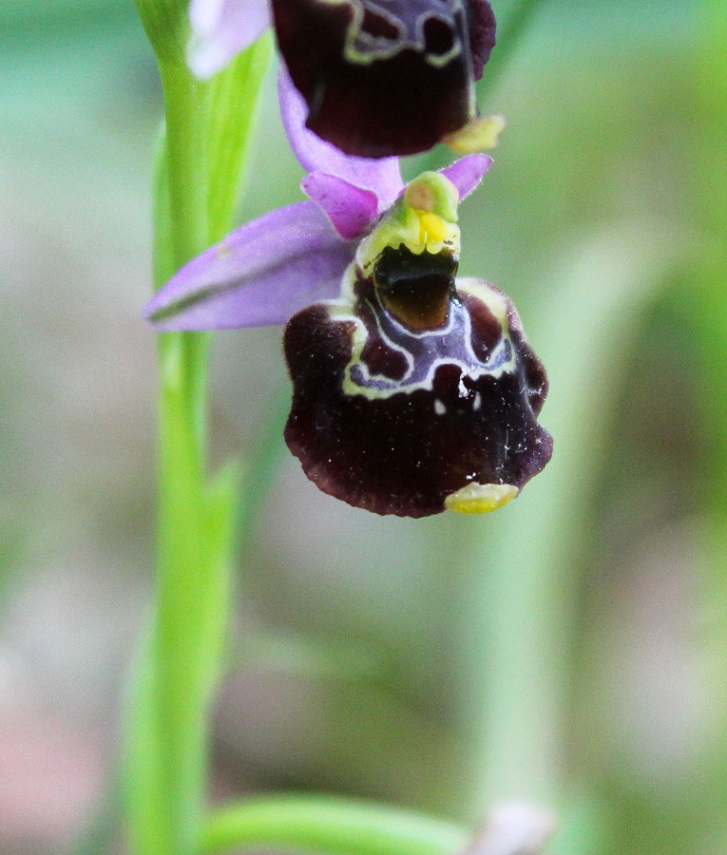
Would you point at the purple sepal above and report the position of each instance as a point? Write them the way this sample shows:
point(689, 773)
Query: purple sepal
point(350, 209)
point(467, 172)
point(221, 29)
point(260, 275)
point(382, 177)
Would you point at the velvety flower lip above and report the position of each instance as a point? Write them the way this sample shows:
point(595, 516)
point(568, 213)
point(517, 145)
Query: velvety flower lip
point(409, 422)
point(384, 77)
point(379, 77)
point(382, 176)
point(268, 269)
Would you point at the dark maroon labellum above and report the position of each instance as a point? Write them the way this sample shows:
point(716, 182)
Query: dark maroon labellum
point(385, 77)
point(414, 390)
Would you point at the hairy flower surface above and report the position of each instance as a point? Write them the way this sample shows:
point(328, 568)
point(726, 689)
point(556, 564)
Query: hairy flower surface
point(412, 391)
point(379, 77)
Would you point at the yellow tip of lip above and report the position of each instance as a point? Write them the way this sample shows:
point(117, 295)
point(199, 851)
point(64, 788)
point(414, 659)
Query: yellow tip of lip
point(480, 498)
point(481, 134)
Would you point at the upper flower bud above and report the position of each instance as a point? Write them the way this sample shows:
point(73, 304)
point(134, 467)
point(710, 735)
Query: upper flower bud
point(379, 77)
point(384, 77)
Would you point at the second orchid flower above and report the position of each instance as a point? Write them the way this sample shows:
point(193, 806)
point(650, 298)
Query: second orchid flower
point(379, 77)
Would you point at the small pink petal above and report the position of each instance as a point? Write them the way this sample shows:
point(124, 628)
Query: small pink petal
point(221, 29)
point(259, 275)
point(350, 209)
point(205, 16)
point(382, 177)
point(467, 172)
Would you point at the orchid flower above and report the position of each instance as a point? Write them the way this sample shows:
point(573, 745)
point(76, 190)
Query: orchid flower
point(380, 77)
point(412, 391)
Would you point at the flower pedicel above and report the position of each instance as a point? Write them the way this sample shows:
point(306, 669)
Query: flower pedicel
point(413, 391)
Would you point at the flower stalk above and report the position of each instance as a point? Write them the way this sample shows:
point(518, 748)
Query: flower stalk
point(165, 800)
point(180, 663)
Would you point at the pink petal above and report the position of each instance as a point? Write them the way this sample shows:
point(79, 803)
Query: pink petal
point(221, 29)
point(260, 275)
point(382, 177)
point(467, 172)
point(350, 209)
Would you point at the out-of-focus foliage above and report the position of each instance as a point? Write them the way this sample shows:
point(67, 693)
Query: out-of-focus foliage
point(569, 649)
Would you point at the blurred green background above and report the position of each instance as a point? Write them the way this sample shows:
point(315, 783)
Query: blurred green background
point(571, 649)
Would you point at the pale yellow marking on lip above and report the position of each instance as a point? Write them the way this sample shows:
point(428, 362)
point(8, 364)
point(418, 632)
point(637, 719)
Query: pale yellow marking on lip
point(480, 498)
point(480, 134)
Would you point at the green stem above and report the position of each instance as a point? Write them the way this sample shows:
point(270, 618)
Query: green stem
point(330, 826)
point(168, 728)
point(182, 547)
point(182, 234)
point(186, 102)
point(181, 662)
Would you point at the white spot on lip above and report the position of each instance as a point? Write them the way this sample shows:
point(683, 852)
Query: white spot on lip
point(477, 405)
point(463, 390)
point(439, 407)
